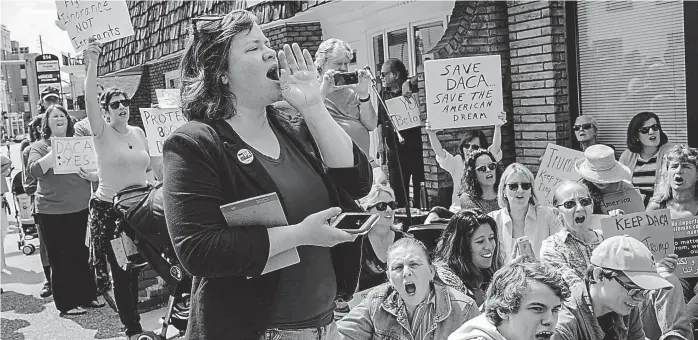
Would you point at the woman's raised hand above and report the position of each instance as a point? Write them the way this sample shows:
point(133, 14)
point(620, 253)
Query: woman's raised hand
point(300, 86)
point(316, 231)
point(429, 129)
point(92, 52)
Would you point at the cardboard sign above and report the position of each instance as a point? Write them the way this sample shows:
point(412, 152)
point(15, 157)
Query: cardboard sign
point(105, 20)
point(630, 201)
point(463, 92)
point(686, 246)
point(159, 124)
point(653, 228)
point(168, 98)
point(72, 153)
point(556, 167)
point(404, 113)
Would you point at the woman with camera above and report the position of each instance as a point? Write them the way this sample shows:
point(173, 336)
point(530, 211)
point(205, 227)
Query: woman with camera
point(236, 146)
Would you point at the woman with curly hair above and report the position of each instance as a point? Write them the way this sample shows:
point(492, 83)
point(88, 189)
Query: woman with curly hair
point(478, 188)
point(467, 254)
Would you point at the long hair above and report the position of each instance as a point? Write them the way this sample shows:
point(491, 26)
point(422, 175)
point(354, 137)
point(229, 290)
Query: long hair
point(662, 187)
point(204, 96)
point(633, 142)
point(469, 184)
point(46, 130)
point(510, 170)
point(453, 247)
point(468, 136)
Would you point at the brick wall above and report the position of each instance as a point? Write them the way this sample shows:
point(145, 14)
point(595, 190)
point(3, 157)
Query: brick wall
point(307, 35)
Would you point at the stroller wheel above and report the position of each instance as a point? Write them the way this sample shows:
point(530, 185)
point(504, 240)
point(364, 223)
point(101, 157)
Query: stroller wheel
point(28, 249)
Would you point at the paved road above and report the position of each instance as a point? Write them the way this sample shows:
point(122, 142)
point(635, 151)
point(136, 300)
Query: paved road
point(25, 315)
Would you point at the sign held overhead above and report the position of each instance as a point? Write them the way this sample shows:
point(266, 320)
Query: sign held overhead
point(105, 20)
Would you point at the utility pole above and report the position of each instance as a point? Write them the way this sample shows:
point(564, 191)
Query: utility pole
point(41, 44)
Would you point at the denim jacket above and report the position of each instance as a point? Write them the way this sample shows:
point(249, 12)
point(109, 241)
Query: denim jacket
point(380, 316)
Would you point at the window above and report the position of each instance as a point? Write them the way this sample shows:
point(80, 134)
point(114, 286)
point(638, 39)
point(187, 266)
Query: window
point(397, 46)
point(172, 79)
point(425, 38)
point(24, 82)
point(25, 98)
point(378, 53)
point(407, 44)
point(22, 67)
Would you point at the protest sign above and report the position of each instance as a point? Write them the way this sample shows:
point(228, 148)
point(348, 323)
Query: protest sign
point(72, 153)
point(630, 201)
point(686, 246)
point(404, 113)
point(105, 20)
point(159, 124)
point(463, 92)
point(653, 228)
point(168, 98)
point(556, 167)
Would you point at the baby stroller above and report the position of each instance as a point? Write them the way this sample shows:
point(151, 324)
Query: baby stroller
point(155, 247)
point(24, 215)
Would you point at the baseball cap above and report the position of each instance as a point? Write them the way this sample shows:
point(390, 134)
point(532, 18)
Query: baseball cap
point(49, 92)
point(630, 256)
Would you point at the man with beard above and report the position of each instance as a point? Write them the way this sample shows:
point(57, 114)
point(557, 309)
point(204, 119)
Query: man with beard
point(522, 303)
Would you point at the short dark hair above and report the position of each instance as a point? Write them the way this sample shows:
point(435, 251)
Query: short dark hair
point(468, 136)
point(398, 67)
point(205, 61)
point(46, 130)
point(453, 247)
point(109, 94)
point(510, 283)
point(469, 184)
point(633, 142)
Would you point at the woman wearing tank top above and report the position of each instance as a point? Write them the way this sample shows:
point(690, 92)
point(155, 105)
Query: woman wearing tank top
point(123, 161)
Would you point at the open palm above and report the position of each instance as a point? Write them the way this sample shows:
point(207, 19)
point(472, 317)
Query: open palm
point(300, 85)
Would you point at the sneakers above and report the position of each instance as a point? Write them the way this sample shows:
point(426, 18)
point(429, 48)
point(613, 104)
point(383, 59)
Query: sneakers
point(46, 291)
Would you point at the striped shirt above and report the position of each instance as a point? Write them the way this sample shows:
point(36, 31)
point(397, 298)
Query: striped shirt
point(423, 317)
point(644, 174)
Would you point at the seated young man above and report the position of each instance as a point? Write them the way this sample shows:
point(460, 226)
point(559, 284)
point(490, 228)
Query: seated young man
point(522, 303)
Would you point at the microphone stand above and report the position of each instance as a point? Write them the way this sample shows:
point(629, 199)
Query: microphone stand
point(397, 139)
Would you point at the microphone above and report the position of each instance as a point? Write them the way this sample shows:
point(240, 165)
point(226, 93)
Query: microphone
point(370, 74)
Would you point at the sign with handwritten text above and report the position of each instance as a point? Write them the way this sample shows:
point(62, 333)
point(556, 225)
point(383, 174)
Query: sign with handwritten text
point(404, 112)
point(105, 20)
point(630, 201)
point(168, 98)
point(653, 228)
point(463, 92)
point(686, 246)
point(159, 124)
point(556, 167)
point(72, 153)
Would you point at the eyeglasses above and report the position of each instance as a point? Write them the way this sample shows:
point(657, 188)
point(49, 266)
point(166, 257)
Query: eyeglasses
point(488, 166)
point(585, 126)
point(470, 146)
point(632, 291)
point(515, 186)
point(115, 105)
point(646, 130)
point(382, 206)
point(383, 74)
point(584, 201)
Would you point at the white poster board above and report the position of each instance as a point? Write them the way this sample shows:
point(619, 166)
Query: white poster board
point(404, 113)
point(168, 98)
point(653, 228)
point(463, 92)
point(159, 124)
point(556, 167)
point(72, 153)
point(105, 20)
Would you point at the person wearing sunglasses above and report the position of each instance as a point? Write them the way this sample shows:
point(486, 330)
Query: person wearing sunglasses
point(520, 214)
point(605, 304)
point(123, 160)
point(647, 144)
point(586, 130)
point(478, 187)
point(471, 141)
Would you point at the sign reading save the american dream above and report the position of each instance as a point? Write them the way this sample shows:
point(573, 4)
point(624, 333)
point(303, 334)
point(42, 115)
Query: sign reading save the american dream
point(159, 124)
point(463, 92)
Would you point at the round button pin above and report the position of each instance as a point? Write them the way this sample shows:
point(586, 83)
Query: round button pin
point(245, 156)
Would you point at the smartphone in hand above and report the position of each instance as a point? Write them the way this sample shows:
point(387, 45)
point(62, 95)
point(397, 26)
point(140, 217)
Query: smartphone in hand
point(355, 223)
point(523, 247)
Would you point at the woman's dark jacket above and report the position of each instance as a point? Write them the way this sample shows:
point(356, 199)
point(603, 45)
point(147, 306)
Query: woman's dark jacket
point(201, 173)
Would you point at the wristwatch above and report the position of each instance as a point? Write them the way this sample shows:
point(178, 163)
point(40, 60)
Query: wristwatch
point(365, 100)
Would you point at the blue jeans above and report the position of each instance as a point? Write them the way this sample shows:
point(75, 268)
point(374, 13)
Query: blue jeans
point(328, 332)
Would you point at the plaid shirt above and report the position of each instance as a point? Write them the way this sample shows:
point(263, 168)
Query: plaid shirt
point(566, 252)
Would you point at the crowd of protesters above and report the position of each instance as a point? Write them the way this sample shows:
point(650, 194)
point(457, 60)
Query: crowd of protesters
point(307, 139)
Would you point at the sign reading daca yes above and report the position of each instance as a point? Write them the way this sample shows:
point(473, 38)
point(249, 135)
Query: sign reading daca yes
point(159, 124)
point(72, 153)
point(463, 92)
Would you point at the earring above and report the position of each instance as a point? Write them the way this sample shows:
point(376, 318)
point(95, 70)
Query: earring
point(224, 80)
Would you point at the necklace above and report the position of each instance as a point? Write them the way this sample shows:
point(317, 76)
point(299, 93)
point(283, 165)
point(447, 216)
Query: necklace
point(122, 136)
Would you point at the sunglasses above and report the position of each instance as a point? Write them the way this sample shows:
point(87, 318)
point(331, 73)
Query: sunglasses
point(115, 105)
point(515, 186)
point(471, 146)
point(382, 206)
point(584, 201)
point(488, 166)
point(646, 130)
point(632, 291)
point(585, 126)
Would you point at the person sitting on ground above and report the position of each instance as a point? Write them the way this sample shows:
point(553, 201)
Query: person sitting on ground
point(412, 305)
point(467, 255)
point(605, 305)
point(586, 130)
point(603, 175)
point(522, 303)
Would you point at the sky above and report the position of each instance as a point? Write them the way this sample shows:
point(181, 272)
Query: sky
point(27, 19)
